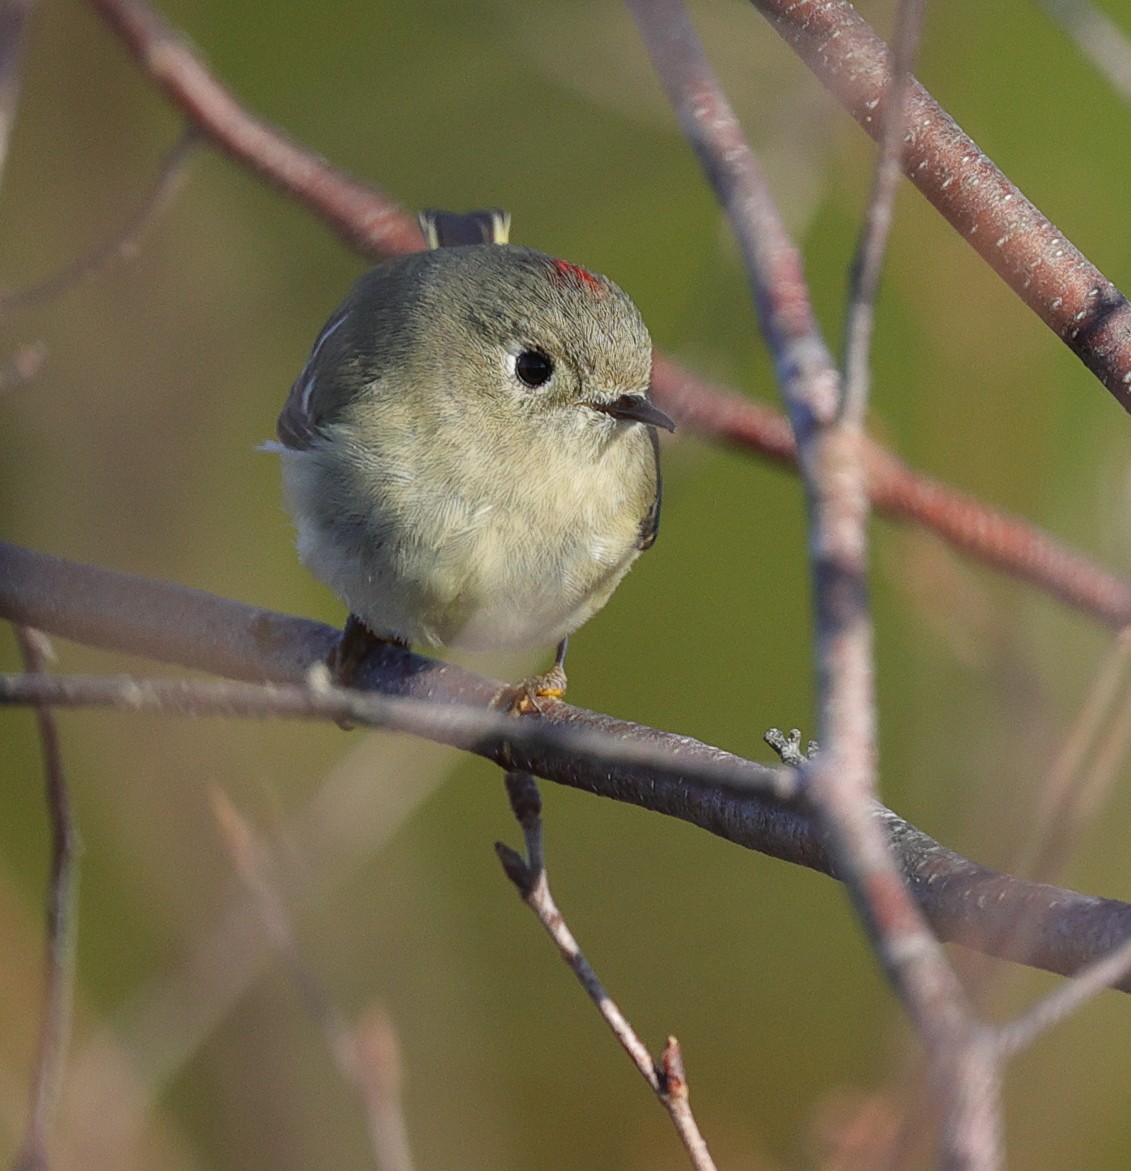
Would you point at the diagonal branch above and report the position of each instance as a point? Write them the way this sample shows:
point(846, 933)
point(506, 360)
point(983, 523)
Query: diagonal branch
point(373, 224)
point(991, 536)
point(666, 1077)
point(1069, 294)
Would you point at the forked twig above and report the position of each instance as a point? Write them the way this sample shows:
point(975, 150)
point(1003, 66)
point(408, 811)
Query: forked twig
point(667, 1077)
point(830, 446)
point(121, 246)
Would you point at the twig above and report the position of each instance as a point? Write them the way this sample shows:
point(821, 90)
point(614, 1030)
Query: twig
point(1083, 771)
point(375, 1056)
point(1077, 777)
point(15, 15)
point(964, 902)
point(123, 1069)
point(55, 1024)
point(364, 217)
point(489, 732)
point(840, 781)
point(1070, 295)
point(1102, 974)
point(1097, 37)
point(365, 1053)
point(864, 277)
point(667, 1078)
point(122, 246)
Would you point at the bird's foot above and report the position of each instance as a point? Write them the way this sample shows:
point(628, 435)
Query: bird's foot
point(349, 652)
point(524, 699)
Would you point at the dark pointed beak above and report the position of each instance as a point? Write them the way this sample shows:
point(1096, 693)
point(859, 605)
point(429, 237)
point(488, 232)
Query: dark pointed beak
point(636, 408)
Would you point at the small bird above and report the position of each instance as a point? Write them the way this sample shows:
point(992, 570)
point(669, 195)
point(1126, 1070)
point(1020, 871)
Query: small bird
point(470, 455)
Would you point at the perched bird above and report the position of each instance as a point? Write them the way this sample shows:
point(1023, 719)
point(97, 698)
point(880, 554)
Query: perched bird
point(470, 454)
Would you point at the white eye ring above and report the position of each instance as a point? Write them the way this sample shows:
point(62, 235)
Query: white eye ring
point(531, 367)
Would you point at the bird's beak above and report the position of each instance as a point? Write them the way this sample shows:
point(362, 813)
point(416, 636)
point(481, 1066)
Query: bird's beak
point(636, 408)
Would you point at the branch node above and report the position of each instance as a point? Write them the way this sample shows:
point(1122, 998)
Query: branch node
point(515, 868)
point(788, 747)
point(671, 1073)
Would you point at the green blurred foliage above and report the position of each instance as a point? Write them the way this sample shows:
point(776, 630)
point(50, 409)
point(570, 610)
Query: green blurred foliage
point(135, 448)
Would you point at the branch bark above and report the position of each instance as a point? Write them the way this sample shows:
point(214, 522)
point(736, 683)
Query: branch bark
point(964, 902)
point(1034, 258)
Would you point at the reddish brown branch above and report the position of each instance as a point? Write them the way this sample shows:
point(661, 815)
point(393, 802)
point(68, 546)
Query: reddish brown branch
point(997, 539)
point(370, 222)
point(1070, 295)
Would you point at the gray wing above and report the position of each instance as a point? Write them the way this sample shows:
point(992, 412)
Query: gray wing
point(298, 423)
point(650, 523)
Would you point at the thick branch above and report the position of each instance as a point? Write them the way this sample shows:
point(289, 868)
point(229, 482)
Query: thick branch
point(963, 901)
point(1069, 294)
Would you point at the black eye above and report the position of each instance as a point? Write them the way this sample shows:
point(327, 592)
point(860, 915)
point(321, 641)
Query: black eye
point(533, 367)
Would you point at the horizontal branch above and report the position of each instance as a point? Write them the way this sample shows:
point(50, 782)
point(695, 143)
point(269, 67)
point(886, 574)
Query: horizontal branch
point(964, 902)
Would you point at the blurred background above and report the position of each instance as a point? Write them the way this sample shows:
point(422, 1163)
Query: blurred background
point(135, 448)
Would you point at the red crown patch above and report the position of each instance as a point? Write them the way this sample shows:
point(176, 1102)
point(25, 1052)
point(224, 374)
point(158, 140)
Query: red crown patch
point(576, 275)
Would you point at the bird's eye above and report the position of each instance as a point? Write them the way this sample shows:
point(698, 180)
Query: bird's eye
point(533, 367)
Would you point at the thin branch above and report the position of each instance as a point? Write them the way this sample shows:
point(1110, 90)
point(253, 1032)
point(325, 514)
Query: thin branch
point(125, 1067)
point(55, 1024)
point(1052, 277)
point(489, 732)
point(122, 246)
point(830, 447)
point(364, 217)
point(1097, 37)
point(366, 1053)
point(1103, 973)
point(1084, 770)
point(1074, 784)
point(668, 1078)
point(867, 264)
